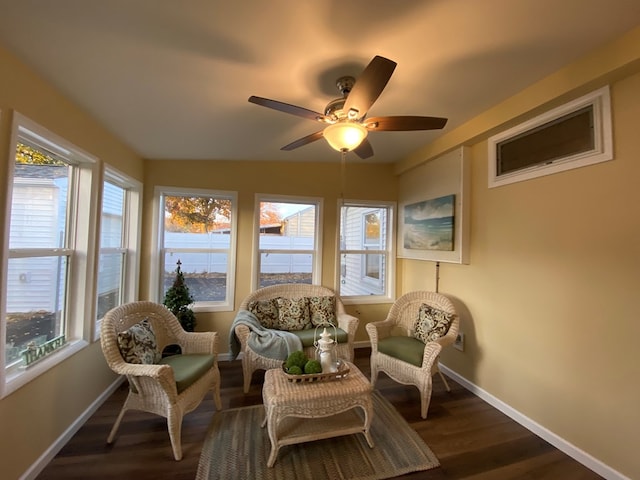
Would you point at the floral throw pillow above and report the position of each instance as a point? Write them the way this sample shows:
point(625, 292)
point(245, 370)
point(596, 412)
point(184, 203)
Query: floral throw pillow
point(432, 323)
point(138, 344)
point(266, 311)
point(322, 310)
point(293, 313)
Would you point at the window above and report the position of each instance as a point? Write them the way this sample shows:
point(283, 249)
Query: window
point(366, 246)
point(288, 240)
point(571, 136)
point(48, 268)
point(198, 229)
point(119, 243)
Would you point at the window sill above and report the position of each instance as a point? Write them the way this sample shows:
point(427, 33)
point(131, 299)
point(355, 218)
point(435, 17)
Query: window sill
point(366, 300)
point(20, 376)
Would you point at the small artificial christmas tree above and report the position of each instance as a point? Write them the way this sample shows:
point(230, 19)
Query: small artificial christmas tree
point(177, 299)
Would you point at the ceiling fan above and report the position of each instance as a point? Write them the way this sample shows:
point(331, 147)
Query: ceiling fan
point(345, 118)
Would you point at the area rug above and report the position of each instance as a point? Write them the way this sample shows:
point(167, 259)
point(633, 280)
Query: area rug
point(237, 448)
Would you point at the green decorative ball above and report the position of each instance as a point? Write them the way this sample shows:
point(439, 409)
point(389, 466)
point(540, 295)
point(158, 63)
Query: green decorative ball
point(297, 358)
point(294, 370)
point(312, 366)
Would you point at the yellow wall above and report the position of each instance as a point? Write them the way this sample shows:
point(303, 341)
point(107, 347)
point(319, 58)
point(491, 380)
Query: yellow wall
point(549, 298)
point(33, 417)
point(363, 181)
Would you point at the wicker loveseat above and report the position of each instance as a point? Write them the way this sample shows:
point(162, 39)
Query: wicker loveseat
point(271, 307)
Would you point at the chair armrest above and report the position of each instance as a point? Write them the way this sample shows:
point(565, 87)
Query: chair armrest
point(349, 324)
point(242, 332)
point(431, 352)
point(149, 379)
point(199, 342)
point(378, 331)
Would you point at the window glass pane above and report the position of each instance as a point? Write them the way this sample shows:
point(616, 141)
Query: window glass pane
point(373, 266)
point(286, 230)
point(287, 226)
point(278, 268)
point(197, 214)
point(35, 302)
point(204, 273)
point(201, 223)
point(39, 200)
point(112, 216)
point(362, 274)
point(109, 282)
point(372, 229)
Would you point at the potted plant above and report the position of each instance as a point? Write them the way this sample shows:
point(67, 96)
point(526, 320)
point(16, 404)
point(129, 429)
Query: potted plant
point(178, 300)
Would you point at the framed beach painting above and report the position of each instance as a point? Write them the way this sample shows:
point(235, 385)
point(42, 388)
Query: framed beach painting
point(429, 225)
point(433, 213)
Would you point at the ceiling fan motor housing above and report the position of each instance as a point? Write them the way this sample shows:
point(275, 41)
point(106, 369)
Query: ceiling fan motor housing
point(334, 107)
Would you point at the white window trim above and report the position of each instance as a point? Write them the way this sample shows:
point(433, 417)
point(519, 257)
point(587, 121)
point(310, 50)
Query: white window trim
point(316, 276)
point(79, 306)
point(390, 252)
point(603, 151)
point(132, 227)
point(155, 286)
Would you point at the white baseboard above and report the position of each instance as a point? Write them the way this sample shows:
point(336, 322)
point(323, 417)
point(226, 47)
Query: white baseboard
point(574, 452)
point(62, 440)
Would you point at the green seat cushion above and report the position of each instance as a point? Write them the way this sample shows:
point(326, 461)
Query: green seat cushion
point(407, 349)
point(306, 336)
point(188, 368)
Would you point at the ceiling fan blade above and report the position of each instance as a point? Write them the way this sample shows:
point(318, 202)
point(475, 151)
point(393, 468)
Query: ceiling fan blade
point(364, 150)
point(291, 109)
point(404, 123)
point(303, 141)
point(369, 85)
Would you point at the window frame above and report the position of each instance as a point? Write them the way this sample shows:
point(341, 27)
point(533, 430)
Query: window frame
point(80, 245)
point(157, 265)
point(599, 100)
point(131, 238)
point(387, 255)
point(316, 252)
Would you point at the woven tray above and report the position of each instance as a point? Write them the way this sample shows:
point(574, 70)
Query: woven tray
point(343, 370)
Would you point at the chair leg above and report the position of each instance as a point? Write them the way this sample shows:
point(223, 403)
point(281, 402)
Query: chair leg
point(446, 384)
point(174, 424)
point(217, 401)
point(116, 425)
point(424, 403)
point(247, 372)
point(374, 374)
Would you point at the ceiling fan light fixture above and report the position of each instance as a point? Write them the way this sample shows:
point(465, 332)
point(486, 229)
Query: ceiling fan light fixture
point(345, 136)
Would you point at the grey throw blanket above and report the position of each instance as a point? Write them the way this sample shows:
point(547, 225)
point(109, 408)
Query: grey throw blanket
point(276, 344)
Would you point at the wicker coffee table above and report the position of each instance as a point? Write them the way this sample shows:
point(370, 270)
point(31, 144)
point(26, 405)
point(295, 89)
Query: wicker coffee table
point(303, 412)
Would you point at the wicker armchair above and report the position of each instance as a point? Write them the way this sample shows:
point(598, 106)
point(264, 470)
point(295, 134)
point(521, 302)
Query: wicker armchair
point(407, 360)
point(252, 361)
point(174, 387)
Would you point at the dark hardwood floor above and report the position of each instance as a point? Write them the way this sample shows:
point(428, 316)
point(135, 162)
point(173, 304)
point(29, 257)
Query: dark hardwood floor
point(472, 439)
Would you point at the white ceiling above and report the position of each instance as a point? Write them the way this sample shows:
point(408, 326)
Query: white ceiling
point(171, 78)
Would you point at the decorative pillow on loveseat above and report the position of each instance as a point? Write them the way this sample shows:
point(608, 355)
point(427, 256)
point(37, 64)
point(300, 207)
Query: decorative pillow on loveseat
point(266, 311)
point(138, 344)
point(322, 310)
point(432, 323)
point(293, 313)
